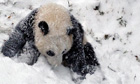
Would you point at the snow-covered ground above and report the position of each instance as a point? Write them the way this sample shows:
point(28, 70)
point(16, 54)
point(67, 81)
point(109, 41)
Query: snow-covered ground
point(112, 26)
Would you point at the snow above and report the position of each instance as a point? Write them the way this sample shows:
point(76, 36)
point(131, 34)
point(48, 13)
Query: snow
point(113, 30)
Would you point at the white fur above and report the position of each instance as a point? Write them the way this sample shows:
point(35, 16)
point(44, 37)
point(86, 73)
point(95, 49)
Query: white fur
point(58, 20)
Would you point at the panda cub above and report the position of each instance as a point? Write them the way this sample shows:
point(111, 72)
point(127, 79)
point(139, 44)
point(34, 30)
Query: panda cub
point(53, 32)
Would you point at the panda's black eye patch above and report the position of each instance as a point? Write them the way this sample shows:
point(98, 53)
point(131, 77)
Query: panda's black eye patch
point(50, 53)
point(44, 27)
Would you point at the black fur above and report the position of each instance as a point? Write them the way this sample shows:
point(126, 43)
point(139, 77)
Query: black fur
point(90, 57)
point(75, 57)
point(44, 27)
point(22, 34)
point(80, 56)
point(71, 31)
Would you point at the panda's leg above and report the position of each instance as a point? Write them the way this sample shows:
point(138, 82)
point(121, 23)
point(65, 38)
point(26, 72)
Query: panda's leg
point(23, 32)
point(75, 57)
point(90, 57)
point(14, 44)
point(81, 54)
point(32, 51)
point(29, 53)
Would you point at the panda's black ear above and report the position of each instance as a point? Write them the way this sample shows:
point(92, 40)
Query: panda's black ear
point(44, 27)
point(71, 31)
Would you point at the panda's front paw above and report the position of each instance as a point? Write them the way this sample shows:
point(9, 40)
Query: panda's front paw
point(79, 68)
point(8, 52)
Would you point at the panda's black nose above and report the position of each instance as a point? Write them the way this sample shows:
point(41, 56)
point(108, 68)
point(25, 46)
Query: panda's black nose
point(50, 53)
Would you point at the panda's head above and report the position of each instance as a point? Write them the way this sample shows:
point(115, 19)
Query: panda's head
point(51, 39)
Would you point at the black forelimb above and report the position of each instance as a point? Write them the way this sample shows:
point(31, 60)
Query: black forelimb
point(75, 57)
point(23, 33)
point(81, 57)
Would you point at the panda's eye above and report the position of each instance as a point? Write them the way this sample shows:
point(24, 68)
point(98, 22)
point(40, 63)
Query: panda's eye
point(44, 27)
point(64, 51)
point(50, 53)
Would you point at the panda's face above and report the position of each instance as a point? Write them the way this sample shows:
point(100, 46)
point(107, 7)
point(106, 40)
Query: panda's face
point(50, 33)
point(53, 46)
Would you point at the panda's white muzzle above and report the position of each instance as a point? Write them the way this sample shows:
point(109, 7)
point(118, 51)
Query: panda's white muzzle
point(55, 60)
